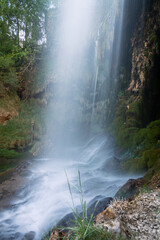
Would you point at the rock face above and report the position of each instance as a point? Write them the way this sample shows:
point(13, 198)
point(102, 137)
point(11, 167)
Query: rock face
point(137, 219)
point(145, 64)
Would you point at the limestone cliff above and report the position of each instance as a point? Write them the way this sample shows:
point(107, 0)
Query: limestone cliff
point(135, 112)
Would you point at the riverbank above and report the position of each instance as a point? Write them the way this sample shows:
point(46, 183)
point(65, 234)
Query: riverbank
point(11, 182)
point(134, 217)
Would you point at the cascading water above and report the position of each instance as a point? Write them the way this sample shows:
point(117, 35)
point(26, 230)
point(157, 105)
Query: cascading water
point(45, 197)
point(114, 13)
point(96, 72)
point(119, 38)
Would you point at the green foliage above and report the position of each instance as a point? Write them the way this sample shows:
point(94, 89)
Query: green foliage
point(148, 136)
point(7, 72)
point(82, 224)
point(16, 134)
point(97, 233)
point(147, 160)
point(133, 114)
point(9, 153)
point(22, 30)
point(8, 159)
point(143, 143)
point(148, 155)
point(125, 126)
point(23, 16)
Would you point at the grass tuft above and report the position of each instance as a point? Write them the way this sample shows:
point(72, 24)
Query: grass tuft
point(84, 227)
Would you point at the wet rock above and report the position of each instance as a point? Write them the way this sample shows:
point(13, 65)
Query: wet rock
point(29, 236)
point(66, 221)
point(18, 235)
point(129, 189)
point(95, 206)
point(98, 204)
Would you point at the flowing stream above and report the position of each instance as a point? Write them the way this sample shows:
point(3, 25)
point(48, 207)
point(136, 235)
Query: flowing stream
point(45, 199)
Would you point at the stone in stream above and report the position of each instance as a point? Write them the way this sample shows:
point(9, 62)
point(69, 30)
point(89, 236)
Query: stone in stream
point(95, 206)
point(29, 236)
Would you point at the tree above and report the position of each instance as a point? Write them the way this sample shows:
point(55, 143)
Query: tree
point(22, 21)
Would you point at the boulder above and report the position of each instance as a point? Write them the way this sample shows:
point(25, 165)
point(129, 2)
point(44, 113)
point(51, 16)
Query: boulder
point(130, 188)
point(29, 236)
point(95, 206)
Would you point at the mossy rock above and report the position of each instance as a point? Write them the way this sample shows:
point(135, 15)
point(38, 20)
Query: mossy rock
point(135, 165)
point(148, 136)
point(133, 115)
point(9, 159)
point(17, 132)
point(10, 154)
point(149, 159)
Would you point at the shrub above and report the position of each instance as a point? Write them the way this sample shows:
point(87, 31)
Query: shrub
point(9, 153)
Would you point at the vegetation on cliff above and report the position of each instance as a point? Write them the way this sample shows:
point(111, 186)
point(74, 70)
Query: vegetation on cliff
point(22, 38)
point(136, 124)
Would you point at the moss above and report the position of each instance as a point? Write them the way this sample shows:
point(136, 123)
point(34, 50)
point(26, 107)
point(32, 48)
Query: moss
point(139, 137)
point(151, 157)
point(148, 136)
point(153, 132)
point(16, 134)
point(121, 106)
point(133, 114)
point(146, 160)
point(124, 126)
point(9, 153)
point(153, 38)
point(134, 166)
point(143, 143)
point(9, 159)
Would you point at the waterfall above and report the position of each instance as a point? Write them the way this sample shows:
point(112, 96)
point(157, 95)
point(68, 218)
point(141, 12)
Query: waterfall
point(118, 38)
point(76, 69)
point(96, 72)
point(75, 24)
point(95, 78)
point(111, 58)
